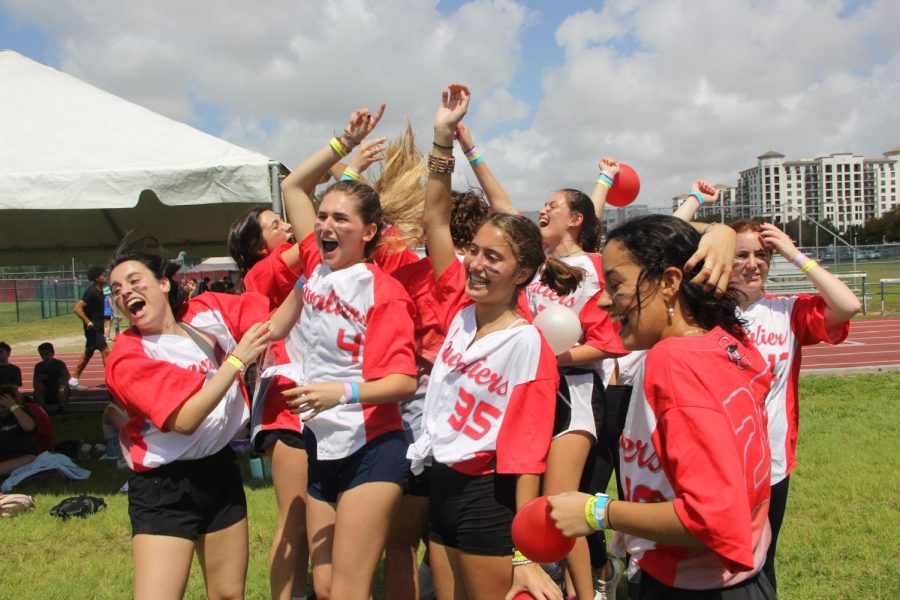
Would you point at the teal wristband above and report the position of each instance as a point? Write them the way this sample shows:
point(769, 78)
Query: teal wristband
point(355, 397)
point(698, 196)
point(600, 509)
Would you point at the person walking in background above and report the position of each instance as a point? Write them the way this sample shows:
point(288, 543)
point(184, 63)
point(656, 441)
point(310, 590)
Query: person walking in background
point(90, 310)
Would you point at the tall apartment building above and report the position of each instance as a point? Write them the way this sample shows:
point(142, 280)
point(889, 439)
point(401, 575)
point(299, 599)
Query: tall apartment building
point(844, 188)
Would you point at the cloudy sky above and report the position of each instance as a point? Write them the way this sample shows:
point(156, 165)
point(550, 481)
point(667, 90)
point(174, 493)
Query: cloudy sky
point(679, 89)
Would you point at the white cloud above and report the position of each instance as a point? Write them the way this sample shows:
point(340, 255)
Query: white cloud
point(678, 89)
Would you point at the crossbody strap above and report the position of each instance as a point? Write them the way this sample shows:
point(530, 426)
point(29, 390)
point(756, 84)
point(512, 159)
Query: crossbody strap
point(202, 343)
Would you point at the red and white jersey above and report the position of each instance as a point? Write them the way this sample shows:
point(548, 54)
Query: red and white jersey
point(274, 278)
point(599, 331)
point(153, 375)
point(356, 325)
point(695, 435)
point(779, 326)
point(490, 403)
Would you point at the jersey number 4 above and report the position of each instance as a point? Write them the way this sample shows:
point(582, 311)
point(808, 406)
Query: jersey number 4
point(352, 345)
point(479, 412)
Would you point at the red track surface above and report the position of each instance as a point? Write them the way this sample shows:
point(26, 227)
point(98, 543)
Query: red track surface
point(872, 343)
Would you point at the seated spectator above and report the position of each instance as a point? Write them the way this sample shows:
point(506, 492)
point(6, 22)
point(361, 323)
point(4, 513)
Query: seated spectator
point(18, 446)
point(44, 436)
point(9, 374)
point(51, 379)
point(113, 418)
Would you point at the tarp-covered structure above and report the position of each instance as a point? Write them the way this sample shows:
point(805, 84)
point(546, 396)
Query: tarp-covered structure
point(80, 167)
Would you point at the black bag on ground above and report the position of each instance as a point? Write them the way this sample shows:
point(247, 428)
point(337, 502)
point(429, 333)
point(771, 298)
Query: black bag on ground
point(78, 506)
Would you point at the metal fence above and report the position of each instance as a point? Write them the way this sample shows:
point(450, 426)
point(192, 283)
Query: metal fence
point(33, 299)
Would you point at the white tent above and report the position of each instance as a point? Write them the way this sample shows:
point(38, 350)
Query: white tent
point(79, 167)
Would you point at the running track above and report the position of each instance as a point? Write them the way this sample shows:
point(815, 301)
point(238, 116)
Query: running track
point(872, 344)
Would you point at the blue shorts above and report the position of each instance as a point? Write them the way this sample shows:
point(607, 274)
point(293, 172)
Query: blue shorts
point(381, 459)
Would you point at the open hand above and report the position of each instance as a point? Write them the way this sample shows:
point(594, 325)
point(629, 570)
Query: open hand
point(453, 107)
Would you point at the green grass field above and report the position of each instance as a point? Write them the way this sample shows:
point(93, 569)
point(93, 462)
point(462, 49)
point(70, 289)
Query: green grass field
point(839, 539)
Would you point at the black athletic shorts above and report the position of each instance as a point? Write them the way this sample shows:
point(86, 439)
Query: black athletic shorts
point(755, 588)
point(94, 338)
point(266, 438)
point(381, 459)
point(472, 513)
point(188, 498)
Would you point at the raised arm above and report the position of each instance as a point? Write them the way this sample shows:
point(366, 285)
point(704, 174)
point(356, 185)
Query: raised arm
point(702, 193)
point(496, 196)
point(298, 187)
point(453, 107)
point(841, 304)
point(609, 168)
point(717, 243)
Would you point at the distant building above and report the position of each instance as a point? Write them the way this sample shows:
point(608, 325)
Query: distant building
point(844, 188)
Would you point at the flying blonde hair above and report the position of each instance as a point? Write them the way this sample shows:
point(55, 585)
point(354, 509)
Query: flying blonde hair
point(401, 187)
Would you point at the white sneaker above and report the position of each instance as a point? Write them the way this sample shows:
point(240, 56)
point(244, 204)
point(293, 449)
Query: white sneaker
point(606, 590)
point(75, 385)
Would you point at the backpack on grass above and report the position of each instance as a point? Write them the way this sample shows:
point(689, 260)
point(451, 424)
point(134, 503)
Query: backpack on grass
point(78, 506)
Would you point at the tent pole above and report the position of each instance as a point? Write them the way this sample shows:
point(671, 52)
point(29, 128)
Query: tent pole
point(275, 183)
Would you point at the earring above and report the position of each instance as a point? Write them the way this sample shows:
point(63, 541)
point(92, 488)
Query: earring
point(670, 309)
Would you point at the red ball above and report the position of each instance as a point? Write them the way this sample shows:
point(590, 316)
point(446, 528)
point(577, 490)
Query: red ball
point(626, 187)
point(523, 595)
point(535, 535)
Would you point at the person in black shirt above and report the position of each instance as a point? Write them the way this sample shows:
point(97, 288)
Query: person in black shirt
point(90, 310)
point(18, 445)
point(10, 374)
point(51, 378)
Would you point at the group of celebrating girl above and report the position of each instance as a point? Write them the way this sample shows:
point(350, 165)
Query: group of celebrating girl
point(401, 399)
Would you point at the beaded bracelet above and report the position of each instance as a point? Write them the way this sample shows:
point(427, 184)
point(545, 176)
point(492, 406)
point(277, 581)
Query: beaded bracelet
point(441, 164)
point(349, 175)
point(698, 196)
point(519, 559)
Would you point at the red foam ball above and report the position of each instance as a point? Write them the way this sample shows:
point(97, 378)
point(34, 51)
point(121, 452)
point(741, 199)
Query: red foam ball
point(536, 536)
point(523, 595)
point(626, 187)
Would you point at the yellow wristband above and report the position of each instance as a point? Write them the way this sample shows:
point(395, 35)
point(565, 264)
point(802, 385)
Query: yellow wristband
point(236, 362)
point(589, 507)
point(520, 559)
point(14, 408)
point(808, 265)
point(338, 147)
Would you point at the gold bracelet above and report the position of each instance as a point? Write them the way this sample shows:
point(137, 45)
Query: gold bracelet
point(441, 164)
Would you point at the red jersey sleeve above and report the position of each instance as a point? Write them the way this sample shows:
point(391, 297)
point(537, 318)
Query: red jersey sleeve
point(389, 346)
point(393, 253)
point(272, 277)
point(599, 331)
point(527, 429)
point(418, 279)
point(808, 322)
point(239, 311)
point(309, 254)
point(147, 387)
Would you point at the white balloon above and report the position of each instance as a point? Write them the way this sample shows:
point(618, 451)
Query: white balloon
point(560, 326)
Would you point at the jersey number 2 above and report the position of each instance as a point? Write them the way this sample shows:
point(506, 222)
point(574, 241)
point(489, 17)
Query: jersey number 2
point(479, 412)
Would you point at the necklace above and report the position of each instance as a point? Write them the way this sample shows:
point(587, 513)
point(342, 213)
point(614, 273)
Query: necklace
point(693, 331)
point(572, 253)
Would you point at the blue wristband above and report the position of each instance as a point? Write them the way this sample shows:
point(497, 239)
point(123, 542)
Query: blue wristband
point(698, 196)
point(355, 398)
point(600, 509)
